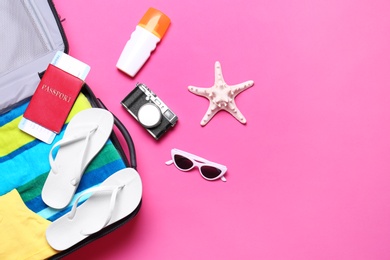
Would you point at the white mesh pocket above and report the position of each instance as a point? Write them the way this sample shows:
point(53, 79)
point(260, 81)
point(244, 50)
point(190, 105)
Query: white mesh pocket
point(20, 39)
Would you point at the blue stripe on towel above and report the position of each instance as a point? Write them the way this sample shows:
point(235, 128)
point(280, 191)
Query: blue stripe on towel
point(12, 114)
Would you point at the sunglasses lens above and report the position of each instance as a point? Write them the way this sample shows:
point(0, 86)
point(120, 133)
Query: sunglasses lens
point(183, 162)
point(210, 172)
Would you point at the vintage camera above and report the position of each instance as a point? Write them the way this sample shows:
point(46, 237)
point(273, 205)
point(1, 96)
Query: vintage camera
point(149, 110)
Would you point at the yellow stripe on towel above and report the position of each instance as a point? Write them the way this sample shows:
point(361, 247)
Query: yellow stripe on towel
point(12, 138)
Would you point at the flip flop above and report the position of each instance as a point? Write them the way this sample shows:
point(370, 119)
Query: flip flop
point(85, 136)
point(117, 197)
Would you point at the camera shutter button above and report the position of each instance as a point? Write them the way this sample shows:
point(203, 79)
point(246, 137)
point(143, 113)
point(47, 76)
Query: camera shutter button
point(149, 115)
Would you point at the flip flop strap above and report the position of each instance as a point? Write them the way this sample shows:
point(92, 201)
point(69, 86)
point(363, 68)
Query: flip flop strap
point(114, 191)
point(70, 140)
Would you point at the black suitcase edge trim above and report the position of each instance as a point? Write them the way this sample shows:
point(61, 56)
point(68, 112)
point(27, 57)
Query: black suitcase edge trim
point(59, 25)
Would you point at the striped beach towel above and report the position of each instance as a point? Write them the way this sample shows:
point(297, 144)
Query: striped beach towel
point(24, 163)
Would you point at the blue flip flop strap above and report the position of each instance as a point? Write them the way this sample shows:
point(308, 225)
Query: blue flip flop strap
point(114, 191)
point(64, 142)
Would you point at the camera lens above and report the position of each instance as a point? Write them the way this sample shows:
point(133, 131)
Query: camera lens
point(149, 115)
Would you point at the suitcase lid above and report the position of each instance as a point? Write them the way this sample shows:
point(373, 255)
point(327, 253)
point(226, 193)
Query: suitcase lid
point(30, 36)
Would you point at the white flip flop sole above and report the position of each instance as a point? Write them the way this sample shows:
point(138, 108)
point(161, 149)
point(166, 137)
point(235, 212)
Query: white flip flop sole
point(84, 137)
point(100, 210)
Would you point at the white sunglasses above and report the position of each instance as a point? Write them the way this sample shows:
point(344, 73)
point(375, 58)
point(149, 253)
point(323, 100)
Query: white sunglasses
point(185, 161)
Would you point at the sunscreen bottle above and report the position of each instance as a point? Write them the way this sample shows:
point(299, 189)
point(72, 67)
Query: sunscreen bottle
point(143, 41)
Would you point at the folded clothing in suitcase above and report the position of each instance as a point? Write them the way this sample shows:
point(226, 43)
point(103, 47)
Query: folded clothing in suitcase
point(31, 35)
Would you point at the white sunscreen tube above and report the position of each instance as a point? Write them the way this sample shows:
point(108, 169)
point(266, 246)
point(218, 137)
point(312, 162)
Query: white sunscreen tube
point(143, 41)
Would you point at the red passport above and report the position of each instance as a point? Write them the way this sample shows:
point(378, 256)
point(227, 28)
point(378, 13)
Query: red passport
point(53, 99)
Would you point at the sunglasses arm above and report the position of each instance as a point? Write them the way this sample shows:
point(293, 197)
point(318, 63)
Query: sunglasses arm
point(169, 162)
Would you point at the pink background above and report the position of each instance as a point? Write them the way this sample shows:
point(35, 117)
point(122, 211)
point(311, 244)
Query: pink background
point(308, 175)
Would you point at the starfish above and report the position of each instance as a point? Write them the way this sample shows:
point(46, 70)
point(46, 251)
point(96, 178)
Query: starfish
point(221, 96)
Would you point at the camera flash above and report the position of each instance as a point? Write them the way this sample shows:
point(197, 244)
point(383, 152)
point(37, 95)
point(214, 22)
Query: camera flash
point(143, 41)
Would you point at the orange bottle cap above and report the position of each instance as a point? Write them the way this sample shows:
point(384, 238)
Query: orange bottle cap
point(155, 22)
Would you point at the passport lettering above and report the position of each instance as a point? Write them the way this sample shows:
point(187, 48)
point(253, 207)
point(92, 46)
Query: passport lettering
point(56, 93)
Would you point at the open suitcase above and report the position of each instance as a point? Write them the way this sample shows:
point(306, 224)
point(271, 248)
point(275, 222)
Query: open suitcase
point(30, 35)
